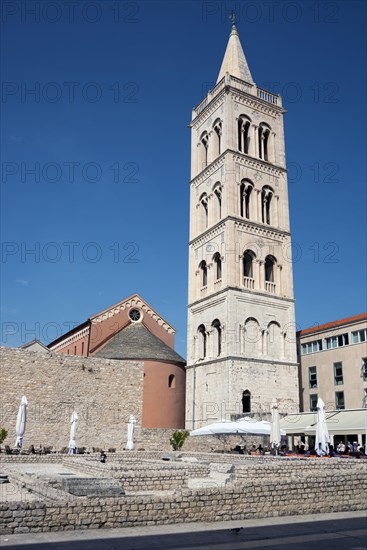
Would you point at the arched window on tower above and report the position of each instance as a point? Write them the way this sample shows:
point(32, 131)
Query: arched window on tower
point(204, 273)
point(246, 189)
point(274, 343)
point(204, 145)
point(248, 269)
point(204, 210)
point(264, 133)
point(202, 341)
point(217, 127)
point(246, 401)
point(217, 337)
point(243, 129)
point(270, 262)
point(218, 266)
point(266, 197)
point(252, 338)
point(218, 201)
point(171, 381)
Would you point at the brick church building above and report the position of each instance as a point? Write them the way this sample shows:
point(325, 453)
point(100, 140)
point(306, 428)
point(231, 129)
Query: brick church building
point(132, 330)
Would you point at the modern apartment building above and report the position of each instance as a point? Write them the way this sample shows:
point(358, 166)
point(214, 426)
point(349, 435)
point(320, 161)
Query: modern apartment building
point(333, 364)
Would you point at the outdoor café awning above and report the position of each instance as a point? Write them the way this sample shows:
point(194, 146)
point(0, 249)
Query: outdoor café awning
point(338, 422)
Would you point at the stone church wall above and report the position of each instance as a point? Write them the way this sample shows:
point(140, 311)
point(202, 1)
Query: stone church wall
point(104, 393)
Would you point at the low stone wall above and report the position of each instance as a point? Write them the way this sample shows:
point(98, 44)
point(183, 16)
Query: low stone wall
point(260, 487)
point(264, 468)
point(158, 440)
point(253, 499)
point(143, 477)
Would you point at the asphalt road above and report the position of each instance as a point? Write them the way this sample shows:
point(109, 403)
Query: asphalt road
point(340, 531)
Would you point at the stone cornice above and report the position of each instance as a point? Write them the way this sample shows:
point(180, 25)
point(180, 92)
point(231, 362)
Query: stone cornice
point(70, 339)
point(209, 170)
point(267, 295)
point(239, 94)
point(251, 227)
point(260, 229)
point(212, 106)
point(241, 158)
point(210, 233)
point(257, 164)
point(256, 103)
point(240, 358)
point(215, 302)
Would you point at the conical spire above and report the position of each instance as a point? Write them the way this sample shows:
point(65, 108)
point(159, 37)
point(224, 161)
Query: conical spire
point(234, 61)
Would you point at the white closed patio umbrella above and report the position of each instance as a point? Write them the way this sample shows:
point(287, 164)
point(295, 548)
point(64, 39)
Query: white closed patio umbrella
point(275, 435)
point(73, 429)
point(21, 422)
point(322, 438)
point(130, 433)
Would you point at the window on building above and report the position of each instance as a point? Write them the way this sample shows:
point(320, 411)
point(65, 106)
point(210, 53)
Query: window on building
point(313, 402)
point(338, 373)
point(312, 377)
point(202, 336)
point(311, 347)
point(246, 401)
point(82, 348)
point(364, 369)
point(217, 335)
point(246, 189)
point(218, 266)
point(339, 400)
point(217, 135)
point(204, 144)
point(205, 213)
point(218, 195)
point(244, 124)
point(74, 350)
point(204, 273)
point(359, 336)
point(264, 133)
point(248, 259)
point(337, 341)
point(266, 197)
point(253, 336)
point(269, 269)
point(171, 381)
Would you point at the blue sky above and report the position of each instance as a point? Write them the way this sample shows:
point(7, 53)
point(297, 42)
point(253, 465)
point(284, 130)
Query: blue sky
point(105, 210)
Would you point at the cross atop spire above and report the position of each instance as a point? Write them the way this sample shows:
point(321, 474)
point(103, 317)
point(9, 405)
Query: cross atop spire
point(233, 18)
point(234, 61)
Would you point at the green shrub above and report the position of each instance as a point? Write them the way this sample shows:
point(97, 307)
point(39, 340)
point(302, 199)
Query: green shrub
point(3, 434)
point(178, 439)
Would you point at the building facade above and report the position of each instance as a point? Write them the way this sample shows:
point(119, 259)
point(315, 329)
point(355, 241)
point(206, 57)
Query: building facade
point(241, 350)
point(333, 364)
point(132, 330)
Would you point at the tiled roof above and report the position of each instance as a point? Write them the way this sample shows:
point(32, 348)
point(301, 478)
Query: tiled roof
point(333, 324)
point(138, 343)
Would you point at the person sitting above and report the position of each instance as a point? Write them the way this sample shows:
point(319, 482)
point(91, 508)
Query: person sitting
point(103, 457)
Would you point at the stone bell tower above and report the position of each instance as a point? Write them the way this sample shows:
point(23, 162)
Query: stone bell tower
point(241, 328)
